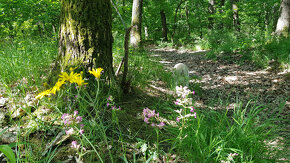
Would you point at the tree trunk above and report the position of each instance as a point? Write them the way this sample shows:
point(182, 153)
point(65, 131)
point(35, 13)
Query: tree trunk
point(135, 38)
point(85, 36)
point(164, 25)
point(175, 18)
point(282, 27)
point(188, 21)
point(236, 20)
point(211, 12)
point(221, 11)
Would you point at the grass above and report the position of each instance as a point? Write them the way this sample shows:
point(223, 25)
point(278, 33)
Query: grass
point(27, 58)
point(113, 135)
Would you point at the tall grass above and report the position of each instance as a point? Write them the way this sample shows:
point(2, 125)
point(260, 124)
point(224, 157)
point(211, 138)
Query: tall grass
point(214, 135)
point(29, 58)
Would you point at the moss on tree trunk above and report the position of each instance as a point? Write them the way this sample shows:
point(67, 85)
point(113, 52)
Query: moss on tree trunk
point(85, 36)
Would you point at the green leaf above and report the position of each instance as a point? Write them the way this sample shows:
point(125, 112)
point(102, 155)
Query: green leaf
point(8, 152)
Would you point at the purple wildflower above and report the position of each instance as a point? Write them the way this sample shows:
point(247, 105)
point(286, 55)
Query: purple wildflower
point(192, 109)
point(70, 131)
point(74, 144)
point(82, 131)
point(79, 119)
point(160, 125)
point(63, 117)
point(146, 120)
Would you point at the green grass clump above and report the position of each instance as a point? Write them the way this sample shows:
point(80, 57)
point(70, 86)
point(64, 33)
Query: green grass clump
point(214, 135)
point(29, 58)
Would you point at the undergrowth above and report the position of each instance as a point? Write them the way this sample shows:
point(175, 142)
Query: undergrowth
point(92, 122)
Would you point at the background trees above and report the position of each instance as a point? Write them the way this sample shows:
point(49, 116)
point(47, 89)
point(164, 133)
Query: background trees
point(102, 122)
point(284, 19)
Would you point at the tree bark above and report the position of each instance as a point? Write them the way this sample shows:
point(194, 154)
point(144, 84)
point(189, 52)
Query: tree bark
point(85, 36)
point(211, 11)
point(175, 18)
point(221, 11)
point(282, 27)
point(164, 25)
point(236, 20)
point(135, 38)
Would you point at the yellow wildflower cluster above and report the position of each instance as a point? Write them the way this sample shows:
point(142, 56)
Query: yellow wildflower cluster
point(72, 78)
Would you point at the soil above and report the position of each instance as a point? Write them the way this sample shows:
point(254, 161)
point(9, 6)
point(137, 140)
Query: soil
point(227, 80)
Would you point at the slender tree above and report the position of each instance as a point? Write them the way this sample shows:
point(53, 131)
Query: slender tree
point(175, 17)
point(164, 25)
point(85, 36)
point(236, 20)
point(135, 38)
point(282, 27)
point(211, 11)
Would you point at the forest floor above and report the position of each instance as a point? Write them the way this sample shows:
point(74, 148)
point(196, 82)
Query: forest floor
point(226, 81)
point(221, 83)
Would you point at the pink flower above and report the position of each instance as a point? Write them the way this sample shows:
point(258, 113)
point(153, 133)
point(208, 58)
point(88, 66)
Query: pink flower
point(79, 119)
point(177, 119)
point(82, 131)
point(194, 115)
point(63, 117)
point(70, 131)
point(192, 109)
point(153, 124)
point(74, 144)
point(76, 113)
point(193, 92)
point(108, 104)
point(146, 120)
point(161, 124)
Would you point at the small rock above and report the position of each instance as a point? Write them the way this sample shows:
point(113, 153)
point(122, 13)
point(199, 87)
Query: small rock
point(8, 136)
point(3, 101)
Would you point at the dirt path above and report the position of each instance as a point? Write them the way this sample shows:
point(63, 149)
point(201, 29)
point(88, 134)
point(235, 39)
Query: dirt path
point(223, 81)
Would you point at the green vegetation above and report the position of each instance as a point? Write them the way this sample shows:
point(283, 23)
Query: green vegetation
point(81, 117)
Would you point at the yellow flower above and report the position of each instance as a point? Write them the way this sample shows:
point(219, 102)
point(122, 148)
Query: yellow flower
point(57, 86)
point(79, 80)
point(97, 72)
point(71, 77)
point(42, 94)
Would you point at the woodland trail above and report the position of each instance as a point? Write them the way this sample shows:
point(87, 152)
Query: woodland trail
point(224, 83)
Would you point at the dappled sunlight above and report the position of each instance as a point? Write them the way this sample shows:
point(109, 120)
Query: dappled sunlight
point(227, 80)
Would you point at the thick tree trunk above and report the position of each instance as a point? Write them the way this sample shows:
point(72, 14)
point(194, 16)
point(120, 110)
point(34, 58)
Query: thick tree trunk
point(236, 20)
point(211, 11)
point(164, 25)
point(282, 27)
point(135, 38)
point(85, 36)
